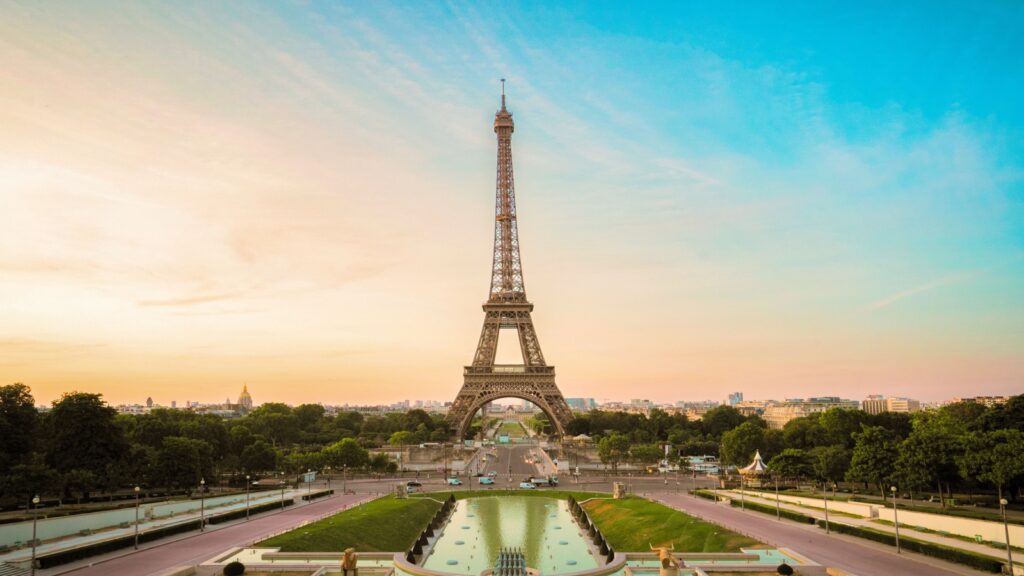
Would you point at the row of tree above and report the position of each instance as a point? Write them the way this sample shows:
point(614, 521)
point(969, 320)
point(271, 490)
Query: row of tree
point(82, 445)
point(961, 446)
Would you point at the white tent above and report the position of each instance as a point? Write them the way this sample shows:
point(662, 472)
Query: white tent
point(756, 467)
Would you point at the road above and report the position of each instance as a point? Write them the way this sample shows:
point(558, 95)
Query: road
point(163, 555)
point(856, 556)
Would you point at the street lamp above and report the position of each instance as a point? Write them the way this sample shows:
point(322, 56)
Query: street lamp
point(202, 504)
point(896, 520)
point(309, 484)
point(344, 473)
point(778, 513)
point(281, 481)
point(824, 498)
point(247, 497)
point(1006, 530)
point(136, 517)
point(35, 518)
point(743, 495)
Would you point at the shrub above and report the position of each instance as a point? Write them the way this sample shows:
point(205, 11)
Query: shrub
point(958, 556)
point(235, 568)
point(789, 514)
point(784, 569)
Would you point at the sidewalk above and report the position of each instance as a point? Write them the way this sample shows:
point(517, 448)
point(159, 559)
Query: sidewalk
point(905, 531)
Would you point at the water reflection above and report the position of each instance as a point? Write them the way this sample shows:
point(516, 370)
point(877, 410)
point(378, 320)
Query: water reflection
point(541, 527)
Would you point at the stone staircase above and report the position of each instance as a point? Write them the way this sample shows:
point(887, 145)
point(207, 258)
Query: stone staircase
point(12, 570)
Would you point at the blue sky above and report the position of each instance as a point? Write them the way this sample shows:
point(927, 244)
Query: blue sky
point(790, 200)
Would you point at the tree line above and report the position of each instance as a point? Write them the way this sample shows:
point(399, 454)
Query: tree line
point(962, 446)
point(82, 445)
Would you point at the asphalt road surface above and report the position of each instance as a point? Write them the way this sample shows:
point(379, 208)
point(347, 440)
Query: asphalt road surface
point(856, 556)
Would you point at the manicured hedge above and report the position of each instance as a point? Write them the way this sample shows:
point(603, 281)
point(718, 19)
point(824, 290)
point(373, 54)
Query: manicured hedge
point(319, 494)
point(788, 514)
point(703, 494)
point(221, 518)
point(964, 557)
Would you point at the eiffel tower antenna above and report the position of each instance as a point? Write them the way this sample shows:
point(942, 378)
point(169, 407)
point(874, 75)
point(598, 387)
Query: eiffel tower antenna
point(507, 307)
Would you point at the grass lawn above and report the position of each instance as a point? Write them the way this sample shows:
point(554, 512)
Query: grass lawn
point(383, 525)
point(513, 429)
point(630, 524)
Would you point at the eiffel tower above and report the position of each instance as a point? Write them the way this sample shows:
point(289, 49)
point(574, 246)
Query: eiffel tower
point(507, 307)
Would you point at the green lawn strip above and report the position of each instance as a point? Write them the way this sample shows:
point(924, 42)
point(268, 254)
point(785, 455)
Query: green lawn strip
point(957, 555)
point(990, 543)
point(511, 429)
point(384, 525)
point(633, 523)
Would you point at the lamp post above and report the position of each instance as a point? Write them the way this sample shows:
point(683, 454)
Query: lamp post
point(246, 497)
point(136, 517)
point(202, 504)
point(281, 480)
point(824, 498)
point(309, 485)
point(1006, 530)
point(778, 512)
point(743, 495)
point(896, 519)
point(344, 473)
point(35, 518)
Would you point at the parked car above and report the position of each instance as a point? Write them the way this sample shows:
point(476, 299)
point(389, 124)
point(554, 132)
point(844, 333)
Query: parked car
point(413, 484)
point(492, 473)
point(527, 485)
point(454, 482)
point(486, 480)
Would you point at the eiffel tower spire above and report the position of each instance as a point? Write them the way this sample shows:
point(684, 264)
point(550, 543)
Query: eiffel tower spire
point(507, 307)
point(507, 267)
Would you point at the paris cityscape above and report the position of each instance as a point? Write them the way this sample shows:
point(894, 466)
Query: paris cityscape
point(776, 253)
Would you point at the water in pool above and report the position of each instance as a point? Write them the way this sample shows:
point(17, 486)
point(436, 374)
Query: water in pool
point(541, 527)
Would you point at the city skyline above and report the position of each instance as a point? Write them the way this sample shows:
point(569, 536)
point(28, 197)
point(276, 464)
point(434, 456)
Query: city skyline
point(195, 208)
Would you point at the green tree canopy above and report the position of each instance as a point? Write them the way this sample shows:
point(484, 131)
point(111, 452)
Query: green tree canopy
point(613, 449)
point(18, 418)
point(874, 457)
point(740, 443)
point(792, 463)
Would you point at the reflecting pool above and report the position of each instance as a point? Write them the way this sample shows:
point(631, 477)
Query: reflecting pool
point(543, 528)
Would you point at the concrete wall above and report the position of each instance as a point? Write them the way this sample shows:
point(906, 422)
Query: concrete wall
point(854, 508)
point(960, 526)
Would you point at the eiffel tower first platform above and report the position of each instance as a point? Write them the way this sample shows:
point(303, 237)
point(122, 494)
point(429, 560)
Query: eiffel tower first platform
point(507, 307)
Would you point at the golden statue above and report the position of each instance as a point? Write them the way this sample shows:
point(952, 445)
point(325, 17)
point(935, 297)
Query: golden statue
point(669, 563)
point(348, 562)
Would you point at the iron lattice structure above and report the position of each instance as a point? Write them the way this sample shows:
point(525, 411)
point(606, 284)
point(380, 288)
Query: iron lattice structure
point(507, 307)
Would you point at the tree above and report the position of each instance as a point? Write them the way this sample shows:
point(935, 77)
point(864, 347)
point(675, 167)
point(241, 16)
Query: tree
point(379, 462)
point(874, 457)
point(18, 418)
point(927, 457)
point(792, 463)
point(720, 420)
point(646, 453)
point(308, 415)
point(613, 449)
point(84, 435)
point(346, 453)
point(258, 457)
point(993, 457)
point(740, 443)
point(183, 462)
point(830, 463)
point(401, 438)
point(27, 480)
point(838, 426)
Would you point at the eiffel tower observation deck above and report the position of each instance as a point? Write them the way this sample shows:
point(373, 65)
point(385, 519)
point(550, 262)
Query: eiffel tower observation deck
point(507, 308)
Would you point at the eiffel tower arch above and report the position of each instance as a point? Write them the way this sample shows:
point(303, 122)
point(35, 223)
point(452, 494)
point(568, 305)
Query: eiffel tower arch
point(507, 308)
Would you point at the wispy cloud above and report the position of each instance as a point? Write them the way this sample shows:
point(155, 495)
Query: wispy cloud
point(893, 298)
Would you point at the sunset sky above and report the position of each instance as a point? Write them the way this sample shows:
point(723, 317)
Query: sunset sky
point(785, 201)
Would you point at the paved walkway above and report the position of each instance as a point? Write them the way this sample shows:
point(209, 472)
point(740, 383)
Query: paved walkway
point(854, 555)
point(819, 513)
point(163, 555)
